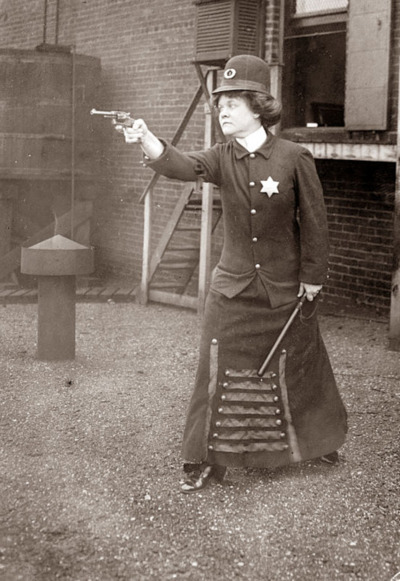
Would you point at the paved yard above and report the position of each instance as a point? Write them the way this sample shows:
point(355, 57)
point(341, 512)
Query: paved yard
point(90, 462)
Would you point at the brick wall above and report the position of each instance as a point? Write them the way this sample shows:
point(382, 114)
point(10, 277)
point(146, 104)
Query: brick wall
point(146, 47)
point(360, 200)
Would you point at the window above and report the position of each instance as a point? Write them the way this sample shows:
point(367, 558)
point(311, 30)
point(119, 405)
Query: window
point(315, 63)
point(336, 64)
point(314, 6)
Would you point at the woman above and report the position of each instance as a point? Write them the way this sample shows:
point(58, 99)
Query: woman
point(275, 251)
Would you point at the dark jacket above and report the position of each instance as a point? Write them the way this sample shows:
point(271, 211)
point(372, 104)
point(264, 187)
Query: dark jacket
point(280, 237)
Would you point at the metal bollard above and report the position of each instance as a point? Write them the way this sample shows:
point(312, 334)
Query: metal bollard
point(56, 262)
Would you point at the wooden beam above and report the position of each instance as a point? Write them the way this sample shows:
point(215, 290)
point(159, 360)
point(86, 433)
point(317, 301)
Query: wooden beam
point(206, 211)
point(394, 326)
point(146, 254)
point(173, 299)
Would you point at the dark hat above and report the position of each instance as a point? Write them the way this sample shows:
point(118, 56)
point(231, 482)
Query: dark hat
point(245, 73)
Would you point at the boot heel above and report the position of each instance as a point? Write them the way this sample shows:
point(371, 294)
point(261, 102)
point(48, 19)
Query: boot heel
point(219, 472)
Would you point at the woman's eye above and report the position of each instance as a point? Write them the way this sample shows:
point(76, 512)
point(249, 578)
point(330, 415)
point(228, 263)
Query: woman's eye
point(227, 106)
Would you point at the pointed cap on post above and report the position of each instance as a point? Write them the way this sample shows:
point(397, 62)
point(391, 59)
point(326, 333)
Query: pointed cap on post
point(57, 256)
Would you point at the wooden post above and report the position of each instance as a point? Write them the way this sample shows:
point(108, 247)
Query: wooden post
point(144, 287)
point(6, 196)
point(206, 209)
point(394, 327)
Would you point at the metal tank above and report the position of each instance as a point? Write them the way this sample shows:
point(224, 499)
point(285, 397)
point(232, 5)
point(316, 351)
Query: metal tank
point(49, 151)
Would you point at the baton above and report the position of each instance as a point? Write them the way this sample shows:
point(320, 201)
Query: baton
point(285, 329)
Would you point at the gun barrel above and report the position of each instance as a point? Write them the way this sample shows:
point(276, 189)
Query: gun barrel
point(107, 113)
point(119, 117)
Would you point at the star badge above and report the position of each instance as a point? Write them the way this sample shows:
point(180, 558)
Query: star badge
point(269, 187)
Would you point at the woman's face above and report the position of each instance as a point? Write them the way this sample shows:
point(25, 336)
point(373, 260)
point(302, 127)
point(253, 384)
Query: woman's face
point(235, 117)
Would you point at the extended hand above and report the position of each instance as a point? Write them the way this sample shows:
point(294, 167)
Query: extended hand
point(134, 134)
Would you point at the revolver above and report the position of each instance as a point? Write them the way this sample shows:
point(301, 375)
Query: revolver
point(118, 117)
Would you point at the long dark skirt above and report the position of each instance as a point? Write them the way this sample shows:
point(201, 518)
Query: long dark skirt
point(235, 418)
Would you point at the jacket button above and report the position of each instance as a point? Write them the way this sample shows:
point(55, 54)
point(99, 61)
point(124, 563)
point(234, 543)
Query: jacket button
point(255, 239)
point(257, 266)
point(252, 184)
point(253, 211)
point(252, 155)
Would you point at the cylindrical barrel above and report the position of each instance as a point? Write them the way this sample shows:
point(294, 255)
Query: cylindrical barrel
point(50, 158)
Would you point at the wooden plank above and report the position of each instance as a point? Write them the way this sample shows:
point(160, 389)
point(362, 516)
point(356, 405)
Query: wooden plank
point(126, 293)
point(94, 291)
point(173, 299)
point(6, 292)
point(206, 213)
point(20, 292)
point(188, 229)
point(32, 293)
point(109, 291)
point(166, 285)
point(182, 249)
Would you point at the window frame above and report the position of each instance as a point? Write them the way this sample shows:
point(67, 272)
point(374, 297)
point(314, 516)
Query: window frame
point(297, 24)
point(343, 20)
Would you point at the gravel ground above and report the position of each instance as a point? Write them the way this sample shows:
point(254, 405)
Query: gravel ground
point(90, 462)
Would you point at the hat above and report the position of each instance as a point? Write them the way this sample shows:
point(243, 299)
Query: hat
point(245, 73)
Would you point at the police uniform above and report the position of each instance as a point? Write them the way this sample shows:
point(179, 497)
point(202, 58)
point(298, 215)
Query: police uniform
point(275, 236)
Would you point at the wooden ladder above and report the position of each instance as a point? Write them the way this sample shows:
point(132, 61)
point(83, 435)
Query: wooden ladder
point(176, 258)
point(167, 273)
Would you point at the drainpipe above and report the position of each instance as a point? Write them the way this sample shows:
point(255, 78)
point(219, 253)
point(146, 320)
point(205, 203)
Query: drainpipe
point(394, 328)
point(276, 68)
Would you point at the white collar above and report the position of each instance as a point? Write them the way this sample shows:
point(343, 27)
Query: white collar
point(253, 141)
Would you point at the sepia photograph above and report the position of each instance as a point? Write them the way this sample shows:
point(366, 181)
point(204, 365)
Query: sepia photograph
point(199, 290)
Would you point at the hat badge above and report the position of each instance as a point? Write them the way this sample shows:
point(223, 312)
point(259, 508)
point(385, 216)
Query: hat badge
point(229, 73)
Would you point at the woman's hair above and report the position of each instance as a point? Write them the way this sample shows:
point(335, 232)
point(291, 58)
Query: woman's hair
point(264, 105)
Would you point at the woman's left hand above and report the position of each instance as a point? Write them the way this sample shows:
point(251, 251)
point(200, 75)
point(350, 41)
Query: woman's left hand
point(310, 290)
